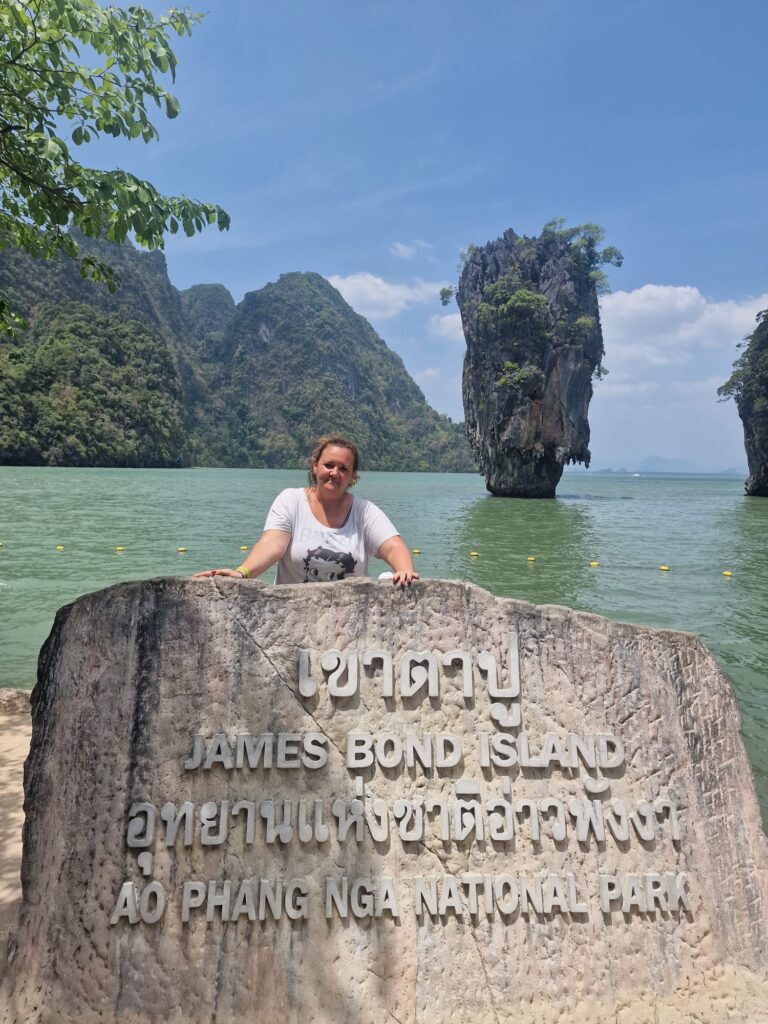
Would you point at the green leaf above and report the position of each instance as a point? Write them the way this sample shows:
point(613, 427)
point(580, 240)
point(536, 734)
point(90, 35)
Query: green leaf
point(172, 107)
point(69, 100)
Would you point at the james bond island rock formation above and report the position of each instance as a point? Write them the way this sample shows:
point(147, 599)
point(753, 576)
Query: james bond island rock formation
point(152, 376)
point(748, 384)
point(347, 804)
point(532, 327)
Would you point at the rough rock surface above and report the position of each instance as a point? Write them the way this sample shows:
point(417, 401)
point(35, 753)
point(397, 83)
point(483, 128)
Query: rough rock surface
point(532, 327)
point(130, 674)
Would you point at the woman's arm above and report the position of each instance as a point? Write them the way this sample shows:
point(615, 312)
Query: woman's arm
point(267, 550)
point(398, 558)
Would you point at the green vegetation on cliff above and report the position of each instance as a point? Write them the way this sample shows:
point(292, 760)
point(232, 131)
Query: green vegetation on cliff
point(514, 306)
point(298, 359)
point(152, 376)
point(90, 389)
point(748, 385)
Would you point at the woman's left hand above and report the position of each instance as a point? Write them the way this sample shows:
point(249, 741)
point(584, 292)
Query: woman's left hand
point(404, 578)
point(398, 557)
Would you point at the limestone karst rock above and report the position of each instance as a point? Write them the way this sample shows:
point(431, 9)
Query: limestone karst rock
point(232, 787)
point(191, 378)
point(749, 386)
point(532, 327)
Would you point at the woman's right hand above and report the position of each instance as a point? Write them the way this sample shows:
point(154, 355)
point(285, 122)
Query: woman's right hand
point(267, 550)
point(234, 573)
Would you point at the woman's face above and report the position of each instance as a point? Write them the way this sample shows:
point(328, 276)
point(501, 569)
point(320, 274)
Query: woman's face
point(333, 470)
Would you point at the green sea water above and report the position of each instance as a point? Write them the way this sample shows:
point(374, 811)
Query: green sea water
point(697, 526)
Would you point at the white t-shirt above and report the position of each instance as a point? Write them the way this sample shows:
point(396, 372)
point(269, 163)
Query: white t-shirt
point(318, 553)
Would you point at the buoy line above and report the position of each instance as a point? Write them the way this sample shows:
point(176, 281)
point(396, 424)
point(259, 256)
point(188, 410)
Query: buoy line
point(727, 573)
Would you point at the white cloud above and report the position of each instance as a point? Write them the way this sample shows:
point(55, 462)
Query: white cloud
point(666, 325)
point(432, 373)
point(446, 326)
point(622, 389)
point(442, 388)
point(695, 389)
point(408, 251)
point(668, 348)
point(374, 297)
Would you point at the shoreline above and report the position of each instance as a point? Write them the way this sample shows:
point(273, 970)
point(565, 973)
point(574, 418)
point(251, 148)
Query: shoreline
point(15, 734)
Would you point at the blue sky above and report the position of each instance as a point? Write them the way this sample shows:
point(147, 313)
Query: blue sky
point(372, 141)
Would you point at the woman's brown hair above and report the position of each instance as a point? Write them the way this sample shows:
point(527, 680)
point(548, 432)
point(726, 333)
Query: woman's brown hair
point(338, 442)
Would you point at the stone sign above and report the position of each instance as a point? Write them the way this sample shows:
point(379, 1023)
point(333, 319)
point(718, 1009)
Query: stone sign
point(348, 803)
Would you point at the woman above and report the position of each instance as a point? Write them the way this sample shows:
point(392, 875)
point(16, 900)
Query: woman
point(320, 533)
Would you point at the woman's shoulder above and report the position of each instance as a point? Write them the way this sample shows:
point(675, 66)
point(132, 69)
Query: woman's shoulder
point(292, 494)
point(364, 507)
point(289, 500)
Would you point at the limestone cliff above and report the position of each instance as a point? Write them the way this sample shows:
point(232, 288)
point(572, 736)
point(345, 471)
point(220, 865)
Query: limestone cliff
point(749, 386)
point(532, 326)
point(151, 376)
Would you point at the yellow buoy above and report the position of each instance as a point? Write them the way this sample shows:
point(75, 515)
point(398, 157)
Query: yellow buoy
point(59, 547)
point(243, 547)
point(473, 554)
point(182, 551)
point(664, 568)
point(594, 564)
point(119, 549)
point(531, 558)
point(726, 572)
point(417, 551)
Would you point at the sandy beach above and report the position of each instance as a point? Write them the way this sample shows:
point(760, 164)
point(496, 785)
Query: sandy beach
point(15, 733)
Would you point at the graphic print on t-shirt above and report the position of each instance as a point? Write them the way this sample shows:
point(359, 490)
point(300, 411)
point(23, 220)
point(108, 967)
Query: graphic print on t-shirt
point(322, 565)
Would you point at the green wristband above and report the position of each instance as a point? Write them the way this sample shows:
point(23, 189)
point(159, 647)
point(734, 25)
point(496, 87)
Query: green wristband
point(244, 571)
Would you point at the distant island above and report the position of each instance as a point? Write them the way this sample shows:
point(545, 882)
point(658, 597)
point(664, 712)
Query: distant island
point(156, 377)
point(660, 465)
